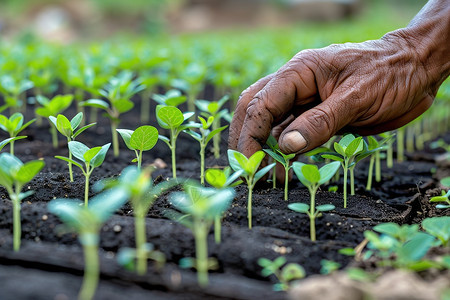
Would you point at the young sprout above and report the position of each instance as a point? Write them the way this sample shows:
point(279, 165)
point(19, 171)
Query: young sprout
point(221, 179)
point(389, 138)
point(118, 91)
point(171, 98)
point(87, 222)
point(284, 160)
point(12, 89)
point(348, 152)
point(203, 138)
point(13, 126)
point(312, 177)
point(273, 145)
point(142, 193)
point(53, 107)
point(14, 174)
point(92, 159)
point(170, 117)
point(142, 139)
point(374, 149)
point(286, 275)
point(214, 109)
point(249, 168)
point(444, 197)
point(68, 129)
point(202, 205)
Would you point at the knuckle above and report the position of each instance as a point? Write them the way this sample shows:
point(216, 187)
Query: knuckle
point(321, 121)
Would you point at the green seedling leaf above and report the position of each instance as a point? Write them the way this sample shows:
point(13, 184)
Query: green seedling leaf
point(235, 160)
point(96, 103)
point(325, 207)
point(347, 251)
point(216, 178)
point(416, 248)
point(126, 136)
point(7, 141)
point(299, 207)
point(263, 171)
point(79, 131)
point(391, 229)
point(78, 149)
point(333, 157)
point(438, 227)
point(311, 173)
point(214, 132)
point(346, 140)
point(70, 161)
point(254, 161)
point(354, 147)
point(76, 121)
point(339, 148)
point(63, 125)
point(98, 159)
point(275, 156)
point(144, 138)
point(327, 171)
point(89, 155)
point(445, 181)
point(69, 210)
point(106, 203)
point(27, 171)
point(169, 117)
point(292, 271)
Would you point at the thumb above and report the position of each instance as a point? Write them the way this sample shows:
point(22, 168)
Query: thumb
point(315, 126)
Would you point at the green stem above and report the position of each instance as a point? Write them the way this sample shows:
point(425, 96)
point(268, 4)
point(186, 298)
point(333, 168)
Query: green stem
point(17, 231)
point(86, 186)
point(352, 181)
point(345, 185)
point(139, 225)
point(274, 179)
point(377, 166)
point(201, 251)
point(370, 173)
point(70, 164)
point(312, 217)
point(390, 157)
point(145, 106)
point(191, 101)
point(217, 229)
point(249, 205)
point(139, 160)
point(11, 147)
point(216, 138)
point(286, 182)
point(202, 164)
point(173, 140)
point(91, 272)
point(400, 144)
point(54, 135)
point(115, 138)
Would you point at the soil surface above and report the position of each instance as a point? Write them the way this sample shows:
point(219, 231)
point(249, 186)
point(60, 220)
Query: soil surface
point(49, 264)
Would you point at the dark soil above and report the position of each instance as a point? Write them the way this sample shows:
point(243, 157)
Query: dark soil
point(50, 262)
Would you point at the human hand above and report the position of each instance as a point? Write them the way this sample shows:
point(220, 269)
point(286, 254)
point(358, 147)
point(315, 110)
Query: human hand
point(364, 88)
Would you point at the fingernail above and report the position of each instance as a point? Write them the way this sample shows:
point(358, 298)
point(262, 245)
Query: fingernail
point(293, 142)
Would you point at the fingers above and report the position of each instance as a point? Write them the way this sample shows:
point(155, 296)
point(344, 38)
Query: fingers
point(241, 109)
point(316, 126)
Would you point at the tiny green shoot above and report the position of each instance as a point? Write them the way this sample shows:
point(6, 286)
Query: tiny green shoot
point(444, 197)
point(171, 98)
point(249, 168)
point(286, 275)
point(53, 107)
point(92, 159)
point(284, 160)
point(87, 222)
point(14, 174)
point(171, 118)
point(202, 205)
point(142, 139)
point(203, 138)
point(312, 177)
point(69, 130)
point(13, 126)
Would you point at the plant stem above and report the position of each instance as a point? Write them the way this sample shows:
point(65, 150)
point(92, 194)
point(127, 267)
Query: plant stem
point(377, 166)
point(173, 141)
point(115, 138)
point(370, 173)
point(91, 272)
point(249, 205)
point(216, 138)
point(11, 147)
point(70, 164)
point(400, 144)
point(202, 163)
point(286, 181)
point(139, 159)
point(17, 230)
point(201, 251)
point(217, 229)
point(352, 180)
point(274, 179)
point(86, 186)
point(139, 225)
point(390, 156)
point(312, 217)
point(54, 135)
point(345, 185)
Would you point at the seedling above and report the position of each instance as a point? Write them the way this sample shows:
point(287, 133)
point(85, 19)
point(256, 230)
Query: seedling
point(284, 160)
point(53, 107)
point(7, 141)
point(286, 275)
point(389, 138)
point(118, 91)
point(142, 139)
point(142, 193)
point(92, 159)
point(221, 179)
point(444, 197)
point(202, 205)
point(14, 174)
point(328, 266)
point(374, 149)
point(13, 126)
point(171, 98)
point(249, 168)
point(214, 109)
point(312, 177)
point(12, 89)
point(170, 117)
point(273, 145)
point(438, 227)
point(203, 138)
point(87, 222)
point(68, 129)
point(349, 151)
